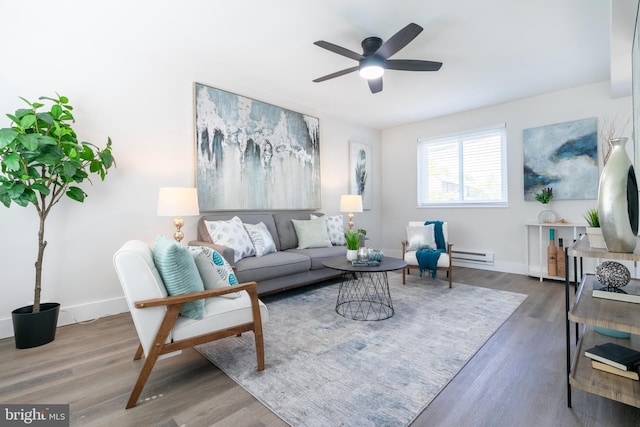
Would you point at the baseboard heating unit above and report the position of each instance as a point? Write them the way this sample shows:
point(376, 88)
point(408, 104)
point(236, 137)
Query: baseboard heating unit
point(473, 256)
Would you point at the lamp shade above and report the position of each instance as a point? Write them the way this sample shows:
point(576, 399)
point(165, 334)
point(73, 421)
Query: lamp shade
point(178, 201)
point(350, 203)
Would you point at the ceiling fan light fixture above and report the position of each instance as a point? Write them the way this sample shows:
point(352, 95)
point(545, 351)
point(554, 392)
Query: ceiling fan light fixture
point(371, 72)
point(372, 68)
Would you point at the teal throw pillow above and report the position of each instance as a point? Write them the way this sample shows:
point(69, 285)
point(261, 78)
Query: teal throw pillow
point(179, 273)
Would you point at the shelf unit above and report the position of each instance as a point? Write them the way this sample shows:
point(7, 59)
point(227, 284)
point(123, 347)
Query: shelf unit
point(588, 312)
point(543, 241)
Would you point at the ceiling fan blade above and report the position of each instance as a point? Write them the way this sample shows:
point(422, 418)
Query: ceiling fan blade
point(399, 40)
point(336, 74)
point(339, 50)
point(375, 85)
point(412, 65)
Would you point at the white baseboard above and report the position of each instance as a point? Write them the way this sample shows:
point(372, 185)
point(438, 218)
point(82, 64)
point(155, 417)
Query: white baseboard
point(76, 313)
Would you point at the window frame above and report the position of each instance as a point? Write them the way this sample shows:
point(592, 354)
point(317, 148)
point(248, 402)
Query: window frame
point(460, 137)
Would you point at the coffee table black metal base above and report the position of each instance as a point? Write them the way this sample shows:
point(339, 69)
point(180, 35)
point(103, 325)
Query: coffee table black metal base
point(365, 298)
point(364, 291)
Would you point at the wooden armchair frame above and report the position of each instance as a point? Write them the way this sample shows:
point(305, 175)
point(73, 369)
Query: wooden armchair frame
point(173, 304)
point(448, 269)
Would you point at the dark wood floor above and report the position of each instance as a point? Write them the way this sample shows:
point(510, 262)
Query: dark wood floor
point(516, 379)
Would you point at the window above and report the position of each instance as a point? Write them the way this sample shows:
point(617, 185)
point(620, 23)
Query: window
point(463, 169)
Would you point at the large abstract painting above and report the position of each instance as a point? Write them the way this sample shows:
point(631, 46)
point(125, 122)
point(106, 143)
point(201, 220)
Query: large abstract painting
point(564, 157)
point(254, 156)
point(360, 167)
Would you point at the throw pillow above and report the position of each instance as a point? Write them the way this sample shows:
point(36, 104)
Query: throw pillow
point(421, 237)
point(231, 233)
point(335, 228)
point(261, 238)
point(179, 273)
point(213, 276)
point(312, 233)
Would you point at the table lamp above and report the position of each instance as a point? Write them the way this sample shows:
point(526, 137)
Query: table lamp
point(350, 203)
point(178, 202)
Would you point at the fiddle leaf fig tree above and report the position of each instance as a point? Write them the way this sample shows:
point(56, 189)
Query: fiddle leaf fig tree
point(41, 161)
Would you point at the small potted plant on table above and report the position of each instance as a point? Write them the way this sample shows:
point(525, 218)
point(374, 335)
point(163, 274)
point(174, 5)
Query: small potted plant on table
point(594, 232)
point(353, 238)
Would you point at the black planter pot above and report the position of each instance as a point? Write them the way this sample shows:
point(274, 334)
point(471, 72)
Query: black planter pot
point(35, 329)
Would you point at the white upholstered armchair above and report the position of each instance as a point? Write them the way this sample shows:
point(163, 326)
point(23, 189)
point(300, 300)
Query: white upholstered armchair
point(161, 327)
point(420, 236)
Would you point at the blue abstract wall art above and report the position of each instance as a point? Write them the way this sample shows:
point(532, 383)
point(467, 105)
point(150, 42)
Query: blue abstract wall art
point(254, 156)
point(562, 156)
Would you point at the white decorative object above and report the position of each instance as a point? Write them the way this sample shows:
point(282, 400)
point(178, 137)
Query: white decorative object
point(546, 216)
point(596, 240)
point(352, 254)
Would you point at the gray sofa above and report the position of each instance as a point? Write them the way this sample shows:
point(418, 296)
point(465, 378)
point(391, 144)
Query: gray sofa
point(287, 268)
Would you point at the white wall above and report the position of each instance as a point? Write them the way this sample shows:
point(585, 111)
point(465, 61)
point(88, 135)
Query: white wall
point(500, 230)
point(143, 101)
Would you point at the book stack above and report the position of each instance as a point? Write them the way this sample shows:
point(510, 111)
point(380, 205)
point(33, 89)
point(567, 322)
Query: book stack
point(628, 293)
point(615, 359)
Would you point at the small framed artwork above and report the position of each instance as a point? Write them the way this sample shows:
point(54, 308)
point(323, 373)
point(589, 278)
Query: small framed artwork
point(360, 169)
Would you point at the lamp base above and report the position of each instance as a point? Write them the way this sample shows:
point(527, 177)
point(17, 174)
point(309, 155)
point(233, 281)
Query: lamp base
point(350, 221)
point(179, 223)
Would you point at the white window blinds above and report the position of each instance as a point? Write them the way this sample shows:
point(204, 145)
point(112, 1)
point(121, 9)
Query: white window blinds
point(467, 168)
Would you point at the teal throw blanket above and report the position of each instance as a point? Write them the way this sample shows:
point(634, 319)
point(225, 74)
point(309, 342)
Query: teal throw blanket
point(428, 258)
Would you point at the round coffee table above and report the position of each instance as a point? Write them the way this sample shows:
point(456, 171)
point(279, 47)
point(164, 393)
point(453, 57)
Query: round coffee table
point(364, 290)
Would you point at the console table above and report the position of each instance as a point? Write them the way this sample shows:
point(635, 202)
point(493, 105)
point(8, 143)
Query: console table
point(364, 290)
point(562, 231)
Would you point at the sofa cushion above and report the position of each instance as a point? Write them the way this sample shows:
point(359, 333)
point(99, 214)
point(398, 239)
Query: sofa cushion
point(179, 273)
point(261, 238)
point(319, 255)
point(231, 233)
point(286, 231)
point(335, 229)
point(273, 265)
point(312, 233)
point(245, 217)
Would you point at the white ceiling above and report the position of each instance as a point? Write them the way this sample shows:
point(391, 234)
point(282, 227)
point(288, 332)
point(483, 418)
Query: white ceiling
point(493, 51)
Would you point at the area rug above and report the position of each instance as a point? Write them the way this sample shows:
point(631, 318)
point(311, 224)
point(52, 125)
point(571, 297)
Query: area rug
point(325, 370)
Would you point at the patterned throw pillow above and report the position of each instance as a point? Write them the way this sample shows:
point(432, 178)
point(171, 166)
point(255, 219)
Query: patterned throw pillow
point(232, 234)
point(261, 238)
point(421, 237)
point(179, 273)
point(214, 270)
point(335, 228)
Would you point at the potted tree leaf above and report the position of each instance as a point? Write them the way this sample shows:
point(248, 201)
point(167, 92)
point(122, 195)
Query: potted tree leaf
point(594, 232)
point(41, 162)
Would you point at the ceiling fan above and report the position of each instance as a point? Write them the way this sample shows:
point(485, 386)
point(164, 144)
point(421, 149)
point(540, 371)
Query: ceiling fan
point(375, 57)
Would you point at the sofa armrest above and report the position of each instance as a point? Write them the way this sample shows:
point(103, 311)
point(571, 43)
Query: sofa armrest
point(225, 251)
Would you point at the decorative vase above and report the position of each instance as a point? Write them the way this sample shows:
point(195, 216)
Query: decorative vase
point(596, 240)
point(546, 216)
point(352, 254)
point(618, 200)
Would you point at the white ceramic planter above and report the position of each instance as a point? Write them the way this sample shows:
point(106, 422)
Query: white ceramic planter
point(352, 254)
point(596, 240)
